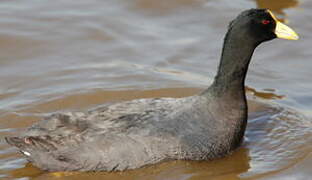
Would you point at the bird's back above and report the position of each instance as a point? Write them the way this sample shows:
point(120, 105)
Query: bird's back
point(120, 136)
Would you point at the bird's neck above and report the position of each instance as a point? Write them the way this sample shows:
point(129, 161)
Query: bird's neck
point(235, 59)
point(228, 89)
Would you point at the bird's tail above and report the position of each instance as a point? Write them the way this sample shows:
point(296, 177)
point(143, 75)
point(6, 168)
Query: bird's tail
point(16, 141)
point(22, 143)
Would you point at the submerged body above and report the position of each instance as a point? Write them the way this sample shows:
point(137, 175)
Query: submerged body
point(132, 134)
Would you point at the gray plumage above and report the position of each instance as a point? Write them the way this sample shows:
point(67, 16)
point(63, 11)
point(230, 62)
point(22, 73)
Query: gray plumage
point(129, 135)
point(132, 134)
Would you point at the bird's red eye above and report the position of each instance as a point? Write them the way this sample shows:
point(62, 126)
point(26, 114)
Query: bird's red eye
point(265, 22)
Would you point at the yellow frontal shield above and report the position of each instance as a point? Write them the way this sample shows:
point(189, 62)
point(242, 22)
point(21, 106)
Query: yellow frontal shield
point(282, 31)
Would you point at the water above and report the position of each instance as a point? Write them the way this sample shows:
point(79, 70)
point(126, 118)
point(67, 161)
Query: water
point(75, 55)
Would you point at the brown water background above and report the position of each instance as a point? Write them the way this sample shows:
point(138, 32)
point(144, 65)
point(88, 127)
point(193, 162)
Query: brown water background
point(76, 54)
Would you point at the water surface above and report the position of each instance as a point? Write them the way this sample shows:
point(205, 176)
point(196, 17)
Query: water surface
point(75, 55)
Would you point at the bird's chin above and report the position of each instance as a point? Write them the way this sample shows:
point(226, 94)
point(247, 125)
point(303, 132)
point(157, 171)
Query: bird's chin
point(269, 38)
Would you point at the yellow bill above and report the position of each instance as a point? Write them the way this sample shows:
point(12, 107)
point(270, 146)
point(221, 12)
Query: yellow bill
point(282, 31)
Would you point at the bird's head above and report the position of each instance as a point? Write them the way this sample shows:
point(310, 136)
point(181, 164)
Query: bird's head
point(260, 25)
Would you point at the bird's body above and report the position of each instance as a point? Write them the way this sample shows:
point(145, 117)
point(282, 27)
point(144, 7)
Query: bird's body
point(132, 134)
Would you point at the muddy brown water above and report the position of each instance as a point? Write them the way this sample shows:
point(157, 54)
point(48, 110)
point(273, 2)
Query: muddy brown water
point(76, 54)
